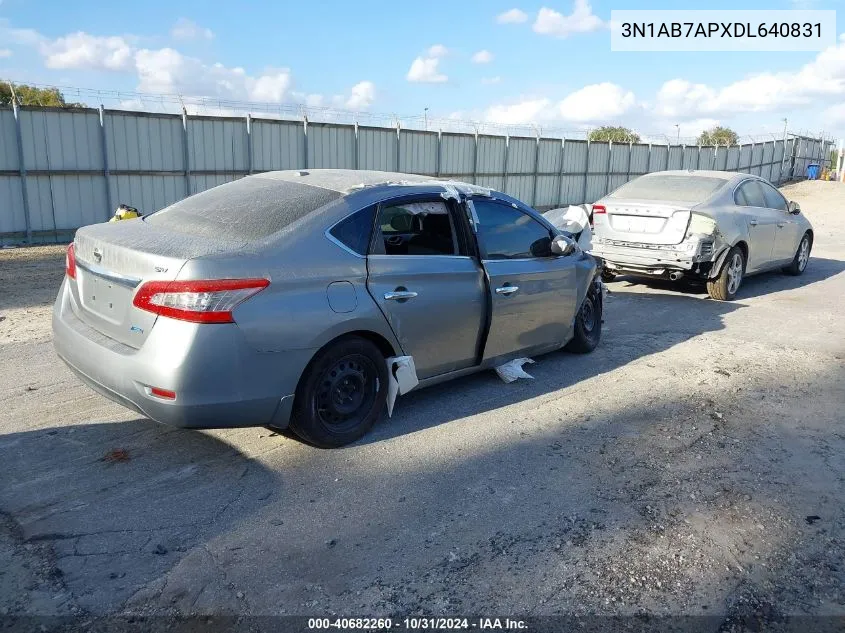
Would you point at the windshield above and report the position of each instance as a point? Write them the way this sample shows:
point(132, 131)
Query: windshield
point(670, 187)
point(248, 209)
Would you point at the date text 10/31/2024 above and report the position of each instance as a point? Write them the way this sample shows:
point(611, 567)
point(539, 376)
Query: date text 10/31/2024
point(418, 623)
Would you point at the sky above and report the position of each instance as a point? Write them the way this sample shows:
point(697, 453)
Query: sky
point(513, 62)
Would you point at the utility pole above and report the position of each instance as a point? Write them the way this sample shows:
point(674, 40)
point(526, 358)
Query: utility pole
point(425, 116)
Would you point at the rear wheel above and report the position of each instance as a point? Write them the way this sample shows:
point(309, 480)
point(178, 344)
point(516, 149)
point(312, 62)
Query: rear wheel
point(341, 394)
point(725, 286)
point(606, 275)
point(802, 256)
point(587, 325)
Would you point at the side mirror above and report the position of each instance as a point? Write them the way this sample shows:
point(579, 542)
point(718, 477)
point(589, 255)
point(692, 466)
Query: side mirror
point(563, 245)
point(794, 207)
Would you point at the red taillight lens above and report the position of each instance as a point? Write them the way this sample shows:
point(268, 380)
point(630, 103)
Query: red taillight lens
point(70, 262)
point(599, 208)
point(206, 301)
point(163, 393)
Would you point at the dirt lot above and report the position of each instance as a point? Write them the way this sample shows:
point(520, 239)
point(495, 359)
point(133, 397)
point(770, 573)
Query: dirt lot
point(693, 465)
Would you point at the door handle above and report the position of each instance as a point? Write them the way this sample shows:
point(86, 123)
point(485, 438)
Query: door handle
point(752, 222)
point(781, 225)
point(400, 295)
point(507, 290)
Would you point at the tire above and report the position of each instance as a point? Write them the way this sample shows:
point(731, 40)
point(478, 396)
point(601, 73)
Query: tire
point(802, 256)
point(725, 286)
point(606, 275)
point(341, 394)
point(587, 324)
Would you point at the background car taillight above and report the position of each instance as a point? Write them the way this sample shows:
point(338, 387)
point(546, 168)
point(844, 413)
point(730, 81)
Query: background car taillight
point(70, 262)
point(597, 209)
point(205, 301)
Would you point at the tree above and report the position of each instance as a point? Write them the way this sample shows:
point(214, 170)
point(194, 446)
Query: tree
point(718, 136)
point(34, 96)
point(614, 134)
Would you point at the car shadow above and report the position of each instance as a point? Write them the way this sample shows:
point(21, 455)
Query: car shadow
point(818, 269)
point(634, 327)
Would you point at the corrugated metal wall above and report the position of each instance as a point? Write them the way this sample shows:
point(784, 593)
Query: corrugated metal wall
point(78, 164)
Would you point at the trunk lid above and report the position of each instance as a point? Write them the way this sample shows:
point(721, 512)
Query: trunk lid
point(642, 221)
point(114, 260)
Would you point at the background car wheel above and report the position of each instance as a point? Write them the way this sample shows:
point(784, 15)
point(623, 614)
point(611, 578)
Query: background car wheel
point(606, 275)
point(802, 256)
point(341, 393)
point(587, 325)
point(725, 286)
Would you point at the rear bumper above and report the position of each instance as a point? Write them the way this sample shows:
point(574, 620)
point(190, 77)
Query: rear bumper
point(652, 262)
point(219, 380)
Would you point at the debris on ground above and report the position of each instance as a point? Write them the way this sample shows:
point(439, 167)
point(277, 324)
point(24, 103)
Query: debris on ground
point(512, 370)
point(116, 455)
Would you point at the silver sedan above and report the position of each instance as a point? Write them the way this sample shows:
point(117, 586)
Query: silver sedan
point(710, 225)
point(278, 299)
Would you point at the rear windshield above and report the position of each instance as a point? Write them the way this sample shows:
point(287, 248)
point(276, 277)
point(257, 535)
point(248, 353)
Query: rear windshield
point(247, 209)
point(670, 187)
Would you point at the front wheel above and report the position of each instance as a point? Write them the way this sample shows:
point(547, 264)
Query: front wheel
point(341, 393)
point(587, 323)
point(802, 256)
point(725, 286)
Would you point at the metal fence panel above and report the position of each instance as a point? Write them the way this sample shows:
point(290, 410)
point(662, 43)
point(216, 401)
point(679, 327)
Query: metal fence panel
point(676, 157)
point(331, 146)
point(522, 153)
point(66, 202)
point(202, 182)
point(148, 193)
point(520, 186)
point(457, 156)
point(491, 154)
point(66, 140)
point(418, 152)
point(8, 141)
point(216, 144)
point(144, 142)
point(639, 160)
point(706, 158)
point(493, 182)
point(277, 145)
point(377, 149)
point(659, 158)
point(690, 157)
point(12, 218)
point(573, 185)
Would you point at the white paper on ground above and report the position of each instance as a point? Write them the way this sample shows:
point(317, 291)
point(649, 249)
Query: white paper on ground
point(401, 378)
point(512, 370)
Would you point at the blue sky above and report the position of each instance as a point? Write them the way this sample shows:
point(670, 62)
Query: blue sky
point(514, 63)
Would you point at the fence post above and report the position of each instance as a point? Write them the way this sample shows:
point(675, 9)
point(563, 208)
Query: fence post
point(305, 141)
point(439, 150)
point(628, 168)
point(105, 146)
point(505, 169)
point(586, 170)
point(475, 161)
point(185, 146)
point(536, 173)
point(22, 168)
point(609, 163)
point(249, 143)
point(355, 144)
point(668, 151)
point(560, 174)
point(648, 162)
point(398, 149)
point(698, 160)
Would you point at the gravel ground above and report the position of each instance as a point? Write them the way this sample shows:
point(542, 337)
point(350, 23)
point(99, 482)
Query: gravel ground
point(693, 465)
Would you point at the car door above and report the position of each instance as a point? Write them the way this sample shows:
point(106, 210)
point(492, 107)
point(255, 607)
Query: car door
point(532, 292)
point(428, 287)
point(762, 224)
point(789, 232)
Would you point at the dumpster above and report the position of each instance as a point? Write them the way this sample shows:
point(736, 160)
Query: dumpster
point(813, 171)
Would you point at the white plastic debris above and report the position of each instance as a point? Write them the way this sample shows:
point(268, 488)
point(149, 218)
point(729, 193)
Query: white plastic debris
point(512, 370)
point(401, 377)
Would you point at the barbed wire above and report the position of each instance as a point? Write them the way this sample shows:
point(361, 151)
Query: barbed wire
point(165, 103)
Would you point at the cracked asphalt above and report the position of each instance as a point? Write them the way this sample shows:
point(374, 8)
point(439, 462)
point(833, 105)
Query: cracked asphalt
point(693, 465)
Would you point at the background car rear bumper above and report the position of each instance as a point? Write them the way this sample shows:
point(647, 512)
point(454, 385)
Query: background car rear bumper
point(647, 261)
point(219, 380)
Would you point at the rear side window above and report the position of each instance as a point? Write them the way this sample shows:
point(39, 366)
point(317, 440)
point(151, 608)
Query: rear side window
point(507, 233)
point(247, 209)
point(774, 200)
point(354, 232)
point(670, 188)
point(417, 228)
point(750, 194)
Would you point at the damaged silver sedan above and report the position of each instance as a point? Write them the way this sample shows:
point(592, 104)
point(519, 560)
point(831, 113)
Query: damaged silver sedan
point(307, 298)
point(710, 225)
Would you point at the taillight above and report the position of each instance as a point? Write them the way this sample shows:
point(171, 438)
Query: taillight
point(599, 208)
point(70, 262)
point(206, 301)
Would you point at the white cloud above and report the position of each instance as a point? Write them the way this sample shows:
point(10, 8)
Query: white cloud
point(362, 96)
point(596, 102)
point(482, 57)
point(527, 111)
point(424, 70)
point(489, 81)
point(83, 51)
point(186, 29)
point(438, 50)
point(4, 53)
point(581, 20)
point(513, 16)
